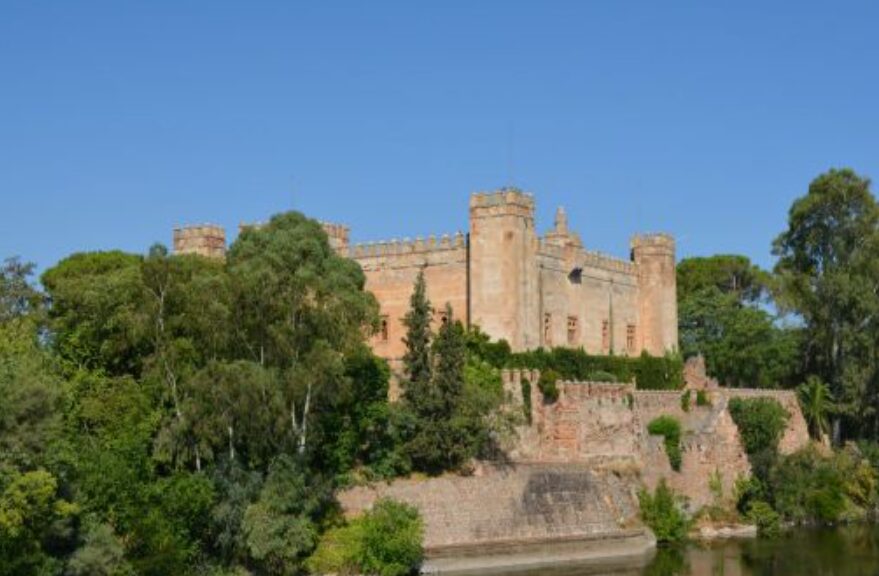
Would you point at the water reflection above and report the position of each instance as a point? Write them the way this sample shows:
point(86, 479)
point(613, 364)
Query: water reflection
point(846, 551)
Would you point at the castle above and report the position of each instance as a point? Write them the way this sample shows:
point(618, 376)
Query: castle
point(531, 290)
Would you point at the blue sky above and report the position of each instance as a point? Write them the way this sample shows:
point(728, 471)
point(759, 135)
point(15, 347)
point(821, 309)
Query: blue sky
point(119, 120)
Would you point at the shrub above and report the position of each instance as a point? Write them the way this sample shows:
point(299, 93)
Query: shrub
point(648, 372)
point(702, 398)
point(547, 386)
point(810, 487)
point(765, 518)
point(392, 535)
point(385, 541)
point(600, 376)
point(669, 428)
point(685, 401)
point(760, 421)
point(662, 511)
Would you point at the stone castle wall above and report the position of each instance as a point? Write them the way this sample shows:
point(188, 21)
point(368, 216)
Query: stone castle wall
point(531, 290)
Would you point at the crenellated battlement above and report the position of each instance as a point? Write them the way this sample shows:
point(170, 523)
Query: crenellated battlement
point(586, 258)
point(654, 242)
point(406, 246)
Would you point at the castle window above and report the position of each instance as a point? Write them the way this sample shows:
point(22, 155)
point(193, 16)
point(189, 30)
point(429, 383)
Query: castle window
point(630, 338)
point(547, 330)
point(573, 331)
point(383, 333)
point(605, 335)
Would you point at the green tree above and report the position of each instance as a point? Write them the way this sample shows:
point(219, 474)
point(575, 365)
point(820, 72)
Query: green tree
point(721, 316)
point(728, 273)
point(279, 527)
point(417, 363)
point(816, 401)
point(828, 260)
point(299, 308)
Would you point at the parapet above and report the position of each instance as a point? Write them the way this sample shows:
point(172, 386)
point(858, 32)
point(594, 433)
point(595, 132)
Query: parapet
point(654, 244)
point(208, 240)
point(502, 202)
point(401, 247)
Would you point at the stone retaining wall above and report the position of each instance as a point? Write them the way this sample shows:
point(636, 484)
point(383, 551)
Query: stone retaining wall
point(518, 504)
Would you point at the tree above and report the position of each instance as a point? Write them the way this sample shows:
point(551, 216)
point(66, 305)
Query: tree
point(417, 365)
point(279, 528)
point(721, 316)
point(95, 313)
point(17, 296)
point(828, 263)
point(299, 308)
point(729, 273)
point(816, 402)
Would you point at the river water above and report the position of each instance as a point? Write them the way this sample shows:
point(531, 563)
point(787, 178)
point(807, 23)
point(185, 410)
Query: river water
point(845, 551)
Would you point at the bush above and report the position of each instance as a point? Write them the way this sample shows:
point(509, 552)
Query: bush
point(662, 511)
point(669, 428)
point(547, 385)
point(685, 401)
point(761, 422)
point(765, 518)
point(600, 376)
point(702, 398)
point(385, 541)
point(809, 487)
point(648, 372)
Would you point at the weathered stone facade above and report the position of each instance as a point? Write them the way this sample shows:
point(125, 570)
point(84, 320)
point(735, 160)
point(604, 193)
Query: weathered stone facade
point(514, 284)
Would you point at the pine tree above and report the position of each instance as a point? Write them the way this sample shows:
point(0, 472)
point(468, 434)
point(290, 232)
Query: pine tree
point(416, 361)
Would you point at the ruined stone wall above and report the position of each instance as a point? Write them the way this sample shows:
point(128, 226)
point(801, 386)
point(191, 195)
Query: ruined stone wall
point(519, 503)
point(590, 422)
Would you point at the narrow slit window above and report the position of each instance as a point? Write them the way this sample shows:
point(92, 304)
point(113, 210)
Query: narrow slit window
point(630, 338)
point(547, 330)
point(605, 335)
point(573, 331)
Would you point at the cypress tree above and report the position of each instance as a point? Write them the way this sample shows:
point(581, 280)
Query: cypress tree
point(416, 361)
point(450, 354)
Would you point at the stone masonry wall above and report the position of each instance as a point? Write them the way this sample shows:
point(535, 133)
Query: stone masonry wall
point(520, 503)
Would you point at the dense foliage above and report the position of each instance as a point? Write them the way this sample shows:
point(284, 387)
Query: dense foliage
point(648, 372)
point(385, 541)
point(663, 512)
point(178, 415)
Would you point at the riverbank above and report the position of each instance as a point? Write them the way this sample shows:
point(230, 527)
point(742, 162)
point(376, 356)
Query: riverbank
point(628, 548)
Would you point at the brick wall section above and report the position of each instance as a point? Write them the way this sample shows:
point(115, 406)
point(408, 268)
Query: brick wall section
point(521, 503)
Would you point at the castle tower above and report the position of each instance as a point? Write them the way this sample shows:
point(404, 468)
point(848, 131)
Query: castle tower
point(654, 258)
point(338, 235)
point(503, 267)
point(208, 240)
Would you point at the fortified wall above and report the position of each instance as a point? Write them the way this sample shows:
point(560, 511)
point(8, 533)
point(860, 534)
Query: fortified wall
point(574, 471)
point(531, 290)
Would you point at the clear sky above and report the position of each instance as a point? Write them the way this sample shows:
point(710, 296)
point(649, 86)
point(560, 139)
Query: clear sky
point(119, 120)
